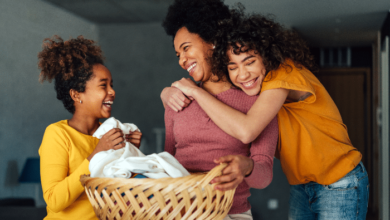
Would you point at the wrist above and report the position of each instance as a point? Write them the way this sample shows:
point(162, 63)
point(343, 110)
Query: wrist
point(89, 158)
point(250, 168)
point(197, 92)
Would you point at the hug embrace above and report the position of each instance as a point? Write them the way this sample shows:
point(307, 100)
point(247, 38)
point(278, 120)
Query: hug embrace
point(256, 98)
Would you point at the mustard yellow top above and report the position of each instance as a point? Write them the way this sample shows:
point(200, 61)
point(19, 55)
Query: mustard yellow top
point(63, 154)
point(313, 141)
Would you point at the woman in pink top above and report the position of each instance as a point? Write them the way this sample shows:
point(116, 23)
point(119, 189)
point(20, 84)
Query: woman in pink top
point(197, 143)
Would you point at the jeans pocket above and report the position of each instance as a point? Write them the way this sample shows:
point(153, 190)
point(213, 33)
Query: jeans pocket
point(345, 183)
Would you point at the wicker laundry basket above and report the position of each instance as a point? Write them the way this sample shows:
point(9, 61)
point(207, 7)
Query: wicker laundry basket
point(190, 197)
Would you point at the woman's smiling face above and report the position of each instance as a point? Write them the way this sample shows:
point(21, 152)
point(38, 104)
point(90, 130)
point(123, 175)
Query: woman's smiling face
point(246, 71)
point(193, 53)
point(99, 94)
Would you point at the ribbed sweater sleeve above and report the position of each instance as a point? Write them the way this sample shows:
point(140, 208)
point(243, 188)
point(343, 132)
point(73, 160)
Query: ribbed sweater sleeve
point(169, 136)
point(59, 189)
point(262, 153)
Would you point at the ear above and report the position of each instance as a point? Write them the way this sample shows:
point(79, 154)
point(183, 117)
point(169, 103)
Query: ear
point(74, 95)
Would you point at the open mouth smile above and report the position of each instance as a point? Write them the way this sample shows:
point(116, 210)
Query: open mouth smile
point(191, 68)
point(250, 84)
point(108, 104)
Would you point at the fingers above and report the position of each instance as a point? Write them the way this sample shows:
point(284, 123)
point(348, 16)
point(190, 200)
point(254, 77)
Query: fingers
point(178, 102)
point(111, 132)
point(134, 138)
point(224, 178)
point(133, 135)
point(119, 146)
point(224, 159)
point(117, 136)
point(113, 138)
point(227, 182)
point(175, 103)
point(226, 186)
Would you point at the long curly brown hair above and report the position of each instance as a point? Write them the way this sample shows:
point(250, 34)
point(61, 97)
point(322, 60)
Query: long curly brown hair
point(274, 43)
point(69, 63)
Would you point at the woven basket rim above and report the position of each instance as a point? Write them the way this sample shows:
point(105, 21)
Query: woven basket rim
point(216, 171)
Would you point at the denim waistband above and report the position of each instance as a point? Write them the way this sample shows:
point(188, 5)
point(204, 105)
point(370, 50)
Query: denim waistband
point(358, 167)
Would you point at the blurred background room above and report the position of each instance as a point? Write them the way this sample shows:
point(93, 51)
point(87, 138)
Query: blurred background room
point(349, 38)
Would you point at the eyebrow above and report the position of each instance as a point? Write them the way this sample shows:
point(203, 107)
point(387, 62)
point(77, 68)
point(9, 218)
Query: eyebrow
point(180, 47)
point(105, 80)
point(183, 44)
point(246, 58)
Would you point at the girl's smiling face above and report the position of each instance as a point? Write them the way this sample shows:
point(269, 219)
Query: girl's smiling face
point(99, 94)
point(193, 53)
point(246, 71)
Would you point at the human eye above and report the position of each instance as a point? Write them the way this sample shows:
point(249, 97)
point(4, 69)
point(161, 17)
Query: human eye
point(231, 68)
point(103, 85)
point(250, 62)
point(185, 48)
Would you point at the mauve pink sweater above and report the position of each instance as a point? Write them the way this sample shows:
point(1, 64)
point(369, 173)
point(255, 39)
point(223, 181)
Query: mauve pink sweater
point(196, 141)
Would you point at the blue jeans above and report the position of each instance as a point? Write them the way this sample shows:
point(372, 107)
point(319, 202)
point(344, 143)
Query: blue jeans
point(345, 199)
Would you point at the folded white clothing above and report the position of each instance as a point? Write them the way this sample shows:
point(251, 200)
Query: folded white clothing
point(127, 160)
point(122, 173)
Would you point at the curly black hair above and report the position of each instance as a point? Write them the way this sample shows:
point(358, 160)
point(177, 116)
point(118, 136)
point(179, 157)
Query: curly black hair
point(274, 43)
point(200, 17)
point(70, 64)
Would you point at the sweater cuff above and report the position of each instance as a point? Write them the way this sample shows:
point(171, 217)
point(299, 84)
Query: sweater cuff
point(253, 178)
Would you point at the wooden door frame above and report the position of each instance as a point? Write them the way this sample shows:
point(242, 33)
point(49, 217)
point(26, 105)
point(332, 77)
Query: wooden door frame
point(370, 154)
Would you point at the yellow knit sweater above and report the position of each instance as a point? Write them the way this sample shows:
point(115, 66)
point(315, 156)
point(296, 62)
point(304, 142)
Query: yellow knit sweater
point(63, 154)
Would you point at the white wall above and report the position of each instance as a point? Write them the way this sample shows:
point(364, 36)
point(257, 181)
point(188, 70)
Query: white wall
point(27, 106)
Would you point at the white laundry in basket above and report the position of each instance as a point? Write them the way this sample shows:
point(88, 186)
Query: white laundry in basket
point(127, 160)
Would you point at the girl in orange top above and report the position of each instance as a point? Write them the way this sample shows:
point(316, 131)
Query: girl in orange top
point(85, 87)
point(327, 177)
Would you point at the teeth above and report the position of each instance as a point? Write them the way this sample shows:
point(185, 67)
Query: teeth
point(249, 83)
point(190, 68)
point(108, 102)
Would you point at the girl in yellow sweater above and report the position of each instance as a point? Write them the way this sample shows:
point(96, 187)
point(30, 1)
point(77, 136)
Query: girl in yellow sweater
point(327, 177)
point(85, 87)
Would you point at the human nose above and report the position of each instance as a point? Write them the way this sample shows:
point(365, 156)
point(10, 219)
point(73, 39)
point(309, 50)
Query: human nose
point(243, 74)
point(182, 60)
point(111, 91)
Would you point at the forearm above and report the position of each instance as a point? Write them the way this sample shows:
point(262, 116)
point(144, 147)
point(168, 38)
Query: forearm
point(60, 191)
point(231, 121)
